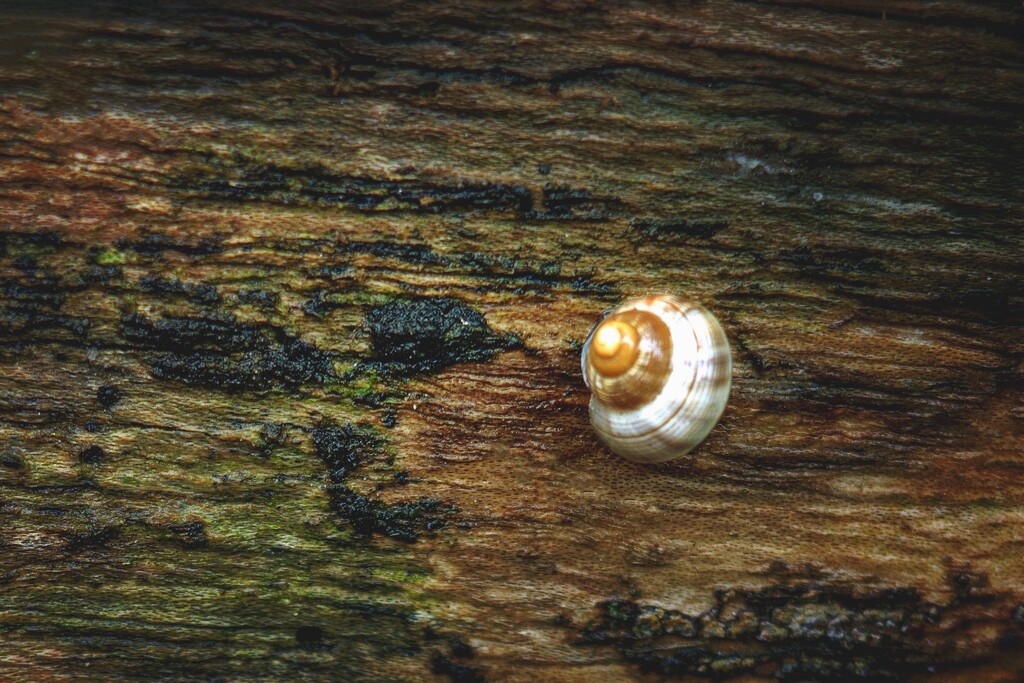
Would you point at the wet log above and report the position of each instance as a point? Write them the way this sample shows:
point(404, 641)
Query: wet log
point(292, 302)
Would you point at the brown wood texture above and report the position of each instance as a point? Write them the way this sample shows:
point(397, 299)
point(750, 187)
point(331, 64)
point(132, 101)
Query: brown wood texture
point(291, 304)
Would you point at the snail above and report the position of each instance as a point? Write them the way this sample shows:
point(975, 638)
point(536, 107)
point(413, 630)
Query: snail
point(659, 369)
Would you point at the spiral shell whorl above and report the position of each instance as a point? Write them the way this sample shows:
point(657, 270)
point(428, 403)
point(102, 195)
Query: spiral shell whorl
point(668, 400)
point(628, 358)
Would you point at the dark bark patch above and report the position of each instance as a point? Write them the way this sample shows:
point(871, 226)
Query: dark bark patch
point(31, 303)
point(523, 274)
point(807, 629)
point(443, 660)
point(173, 287)
point(345, 448)
point(21, 322)
point(218, 334)
point(559, 202)
point(319, 186)
point(914, 15)
point(676, 228)
point(997, 301)
point(221, 353)
point(153, 243)
point(102, 274)
point(190, 534)
point(824, 262)
point(109, 396)
point(93, 455)
point(457, 673)
point(314, 185)
point(310, 638)
point(11, 461)
point(94, 538)
point(272, 435)
point(34, 295)
point(425, 335)
point(13, 242)
point(409, 253)
point(286, 366)
point(460, 648)
point(404, 521)
point(317, 305)
point(331, 272)
point(261, 298)
point(26, 264)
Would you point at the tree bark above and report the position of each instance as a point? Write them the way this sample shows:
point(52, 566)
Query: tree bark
point(292, 302)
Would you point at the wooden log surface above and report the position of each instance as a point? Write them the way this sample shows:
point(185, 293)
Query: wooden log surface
point(291, 302)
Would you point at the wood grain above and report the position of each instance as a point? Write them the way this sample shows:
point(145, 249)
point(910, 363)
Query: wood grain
point(291, 304)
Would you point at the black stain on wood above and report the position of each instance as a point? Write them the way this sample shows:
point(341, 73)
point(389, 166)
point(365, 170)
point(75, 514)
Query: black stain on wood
point(109, 396)
point(425, 335)
point(222, 353)
point(272, 436)
point(318, 186)
point(668, 228)
point(11, 461)
point(261, 298)
point(345, 448)
point(796, 630)
point(519, 273)
point(190, 534)
point(173, 287)
point(310, 638)
point(456, 672)
point(239, 179)
point(92, 455)
point(449, 659)
point(31, 302)
point(155, 243)
point(93, 538)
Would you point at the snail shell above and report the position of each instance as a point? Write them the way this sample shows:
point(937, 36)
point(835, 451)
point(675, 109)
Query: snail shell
point(660, 370)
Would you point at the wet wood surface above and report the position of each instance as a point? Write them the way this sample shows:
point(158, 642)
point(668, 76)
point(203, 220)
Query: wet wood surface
point(291, 303)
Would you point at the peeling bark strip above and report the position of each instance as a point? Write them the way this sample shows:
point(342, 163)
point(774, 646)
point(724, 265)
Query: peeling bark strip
point(291, 304)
